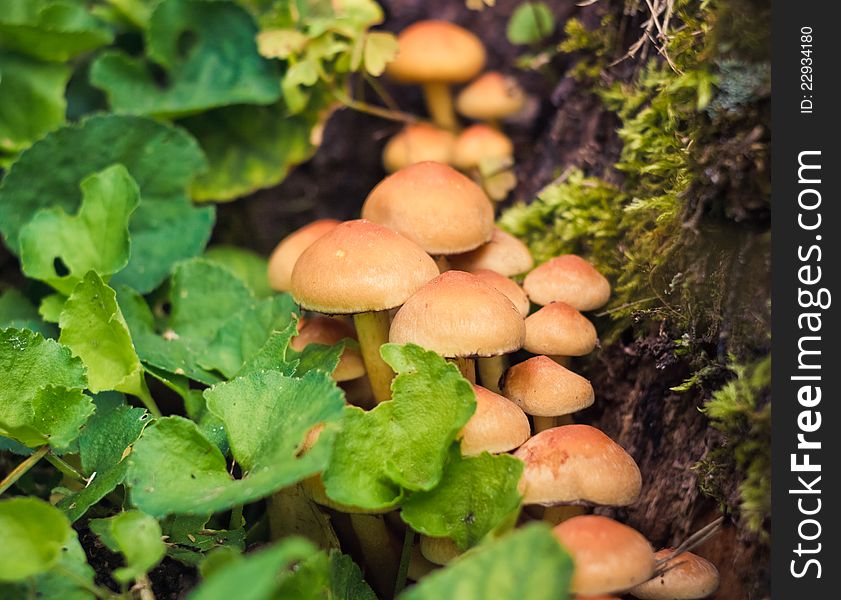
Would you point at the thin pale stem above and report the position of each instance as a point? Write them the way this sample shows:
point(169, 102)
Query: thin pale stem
point(65, 467)
point(20, 470)
point(377, 550)
point(544, 423)
point(439, 103)
point(376, 111)
point(372, 331)
point(146, 397)
point(405, 559)
point(491, 369)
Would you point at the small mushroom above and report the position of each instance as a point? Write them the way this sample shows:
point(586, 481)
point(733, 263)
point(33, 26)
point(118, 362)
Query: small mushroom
point(363, 269)
point(543, 388)
point(577, 463)
point(508, 287)
point(492, 96)
point(286, 253)
point(498, 425)
point(609, 557)
point(418, 142)
point(460, 317)
point(480, 143)
point(558, 329)
point(330, 331)
point(504, 254)
point(438, 550)
point(687, 576)
point(568, 278)
point(433, 205)
point(437, 54)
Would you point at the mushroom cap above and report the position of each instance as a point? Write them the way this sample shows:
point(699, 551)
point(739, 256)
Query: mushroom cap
point(510, 288)
point(685, 577)
point(504, 254)
point(433, 205)
point(438, 550)
point(480, 142)
point(456, 314)
point(329, 332)
point(418, 142)
point(359, 267)
point(491, 96)
point(436, 51)
point(543, 388)
point(559, 329)
point(498, 425)
point(577, 463)
point(609, 557)
point(568, 278)
point(286, 253)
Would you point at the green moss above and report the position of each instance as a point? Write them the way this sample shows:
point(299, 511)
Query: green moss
point(594, 47)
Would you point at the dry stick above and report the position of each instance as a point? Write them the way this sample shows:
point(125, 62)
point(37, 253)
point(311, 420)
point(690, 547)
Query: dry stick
point(694, 540)
point(18, 472)
point(144, 588)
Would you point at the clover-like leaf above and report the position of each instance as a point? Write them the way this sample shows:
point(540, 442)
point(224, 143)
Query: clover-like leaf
point(530, 23)
point(162, 159)
point(380, 49)
point(527, 563)
point(476, 496)
point(175, 469)
point(402, 443)
point(248, 266)
point(33, 534)
point(93, 327)
point(96, 239)
point(137, 537)
point(208, 53)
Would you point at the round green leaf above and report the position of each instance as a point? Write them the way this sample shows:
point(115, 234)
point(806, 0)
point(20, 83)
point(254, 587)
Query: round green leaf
point(32, 534)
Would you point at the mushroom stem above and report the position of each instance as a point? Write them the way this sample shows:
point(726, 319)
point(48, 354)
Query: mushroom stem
point(291, 511)
point(544, 423)
point(372, 331)
point(491, 369)
point(564, 361)
point(439, 103)
point(466, 366)
point(558, 514)
point(378, 551)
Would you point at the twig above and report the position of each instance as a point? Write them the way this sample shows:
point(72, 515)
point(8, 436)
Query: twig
point(18, 472)
point(377, 111)
point(405, 559)
point(694, 540)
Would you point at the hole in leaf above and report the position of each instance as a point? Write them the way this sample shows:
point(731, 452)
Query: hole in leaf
point(60, 268)
point(159, 75)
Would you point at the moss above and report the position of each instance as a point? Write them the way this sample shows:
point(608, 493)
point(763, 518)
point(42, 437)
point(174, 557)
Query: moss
point(593, 47)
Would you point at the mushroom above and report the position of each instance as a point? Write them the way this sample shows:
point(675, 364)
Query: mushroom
point(436, 54)
point(480, 143)
point(491, 97)
point(687, 576)
point(330, 331)
point(416, 143)
point(504, 254)
point(363, 269)
point(498, 425)
point(459, 317)
point(558, 329)
point(286, 253)
point(438, 550)
point(568, 278)
point(577, 463)
point(609, 557)
point(433, 205)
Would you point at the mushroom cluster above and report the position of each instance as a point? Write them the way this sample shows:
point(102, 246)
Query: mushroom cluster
point(437, 55)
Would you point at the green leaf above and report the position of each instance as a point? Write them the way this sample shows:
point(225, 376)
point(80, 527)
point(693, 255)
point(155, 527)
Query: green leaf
point(75, 505)
point(40, 393)
point(208, 52)
point(17, 311)
point(246, 265)
point(96, 239)
point(527, 563)
point(109, 432)
point(249, 148)
point(33, 534)
point(402, 443)
point(326, 576)
point(256, 576)
point(475, 497)
point(50, 29)
point(188, 537)
point(380, 49)
point(93, 327)
point(137, 537)
point(276, 355)
point(175, 469)
point(31, 99)
point(51, 307)
point(530, 23)
point(69, 579)
point(163, 160)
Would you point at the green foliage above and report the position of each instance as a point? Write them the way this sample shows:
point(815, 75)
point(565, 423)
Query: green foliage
point(530, 23)
point(16, 311)
point(593, 49)
point(248, 266)
point(137, 537)
point(33, 534)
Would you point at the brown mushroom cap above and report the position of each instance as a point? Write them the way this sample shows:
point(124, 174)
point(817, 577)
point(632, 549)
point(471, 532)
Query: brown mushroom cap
point(543, 388)
point(568, 278)
point(436, 51)
point(433, 205)
point(360, 267)
point(609, 557)
point(510, 288)
point(600, 597)
point(504, 254)
point(416, 143)
point(438, 550)
point(330, 331)
point(491, 96)
point(480, 142)
point(685, 577)
point(577, 463)
point(498, 425)
point(286, 253)
point(456, 314)
point(559, 329)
